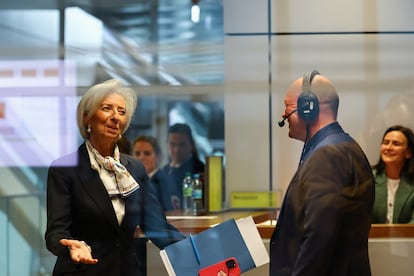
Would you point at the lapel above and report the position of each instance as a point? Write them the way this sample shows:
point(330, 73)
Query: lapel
point(381, 196)
point(95, 188)
point(403, 192)
point(134, 211)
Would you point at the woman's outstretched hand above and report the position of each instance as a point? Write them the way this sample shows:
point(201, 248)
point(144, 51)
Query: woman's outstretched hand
point(79, 251)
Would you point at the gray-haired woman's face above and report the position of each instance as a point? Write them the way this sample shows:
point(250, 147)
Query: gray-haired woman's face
point(109, 120)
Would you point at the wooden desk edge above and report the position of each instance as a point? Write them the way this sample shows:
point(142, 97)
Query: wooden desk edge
point(392, 231)
point(193, 226)
point(377, 231)
point(266, 231)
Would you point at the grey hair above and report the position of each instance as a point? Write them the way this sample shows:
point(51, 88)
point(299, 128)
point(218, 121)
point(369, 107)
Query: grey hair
point(92, 99)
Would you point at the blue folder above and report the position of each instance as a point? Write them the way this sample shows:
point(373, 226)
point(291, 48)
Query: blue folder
point(188, 256)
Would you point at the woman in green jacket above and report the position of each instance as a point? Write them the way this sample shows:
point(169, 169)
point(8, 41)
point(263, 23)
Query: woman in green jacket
point(394, 177)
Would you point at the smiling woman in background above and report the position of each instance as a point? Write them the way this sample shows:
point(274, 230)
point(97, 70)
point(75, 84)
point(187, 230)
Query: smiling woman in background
point(95, 206)
point(394, 177)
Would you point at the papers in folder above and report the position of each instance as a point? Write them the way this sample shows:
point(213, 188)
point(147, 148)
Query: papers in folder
point(232, 238)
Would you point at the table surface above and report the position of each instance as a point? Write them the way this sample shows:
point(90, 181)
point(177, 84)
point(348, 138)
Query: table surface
point(265, 220)
point(194, 224)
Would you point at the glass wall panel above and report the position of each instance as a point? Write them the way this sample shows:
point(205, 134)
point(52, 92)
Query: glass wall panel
point(373, 77)
point(226, 78)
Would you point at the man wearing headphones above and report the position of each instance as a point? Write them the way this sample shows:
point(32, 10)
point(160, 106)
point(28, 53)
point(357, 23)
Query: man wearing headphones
point(325, 217)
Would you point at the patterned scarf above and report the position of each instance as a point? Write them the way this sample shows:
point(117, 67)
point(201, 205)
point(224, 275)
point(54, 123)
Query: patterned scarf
point(124, 183)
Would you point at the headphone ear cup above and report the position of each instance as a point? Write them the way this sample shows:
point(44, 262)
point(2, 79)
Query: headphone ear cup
point(308, 106)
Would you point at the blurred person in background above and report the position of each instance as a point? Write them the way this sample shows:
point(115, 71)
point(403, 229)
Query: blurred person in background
point(148, 151)
point(183, 155)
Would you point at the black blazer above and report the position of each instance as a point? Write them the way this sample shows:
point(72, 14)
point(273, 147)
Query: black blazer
point(78, 207)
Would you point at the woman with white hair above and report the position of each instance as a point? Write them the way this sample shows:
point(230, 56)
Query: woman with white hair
point(95, 207)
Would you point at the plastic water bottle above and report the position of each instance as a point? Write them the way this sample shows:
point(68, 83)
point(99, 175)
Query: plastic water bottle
point(188, 193)
point(198, 195)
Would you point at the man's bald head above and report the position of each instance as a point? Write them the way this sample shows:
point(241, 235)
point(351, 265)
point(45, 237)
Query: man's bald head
point(328, 102)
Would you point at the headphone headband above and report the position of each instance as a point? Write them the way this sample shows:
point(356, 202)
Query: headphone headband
point(307, 80)
point(308, 104)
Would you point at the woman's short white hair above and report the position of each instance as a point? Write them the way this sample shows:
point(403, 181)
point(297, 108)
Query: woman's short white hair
point(92, 99)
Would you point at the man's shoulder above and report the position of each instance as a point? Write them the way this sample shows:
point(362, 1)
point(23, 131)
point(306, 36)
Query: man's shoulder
point(341, 147)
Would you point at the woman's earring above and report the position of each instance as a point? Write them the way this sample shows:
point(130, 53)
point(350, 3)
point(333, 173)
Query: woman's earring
point(120, 136)
point(88, 130)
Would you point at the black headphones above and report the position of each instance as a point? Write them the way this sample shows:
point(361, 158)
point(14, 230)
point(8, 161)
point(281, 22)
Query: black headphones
point(308, 104)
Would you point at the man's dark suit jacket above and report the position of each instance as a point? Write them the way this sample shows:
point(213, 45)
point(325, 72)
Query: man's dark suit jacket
point(325, 219)
point(79, 208)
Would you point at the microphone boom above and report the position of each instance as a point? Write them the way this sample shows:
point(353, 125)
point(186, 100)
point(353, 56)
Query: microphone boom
point(281, 123)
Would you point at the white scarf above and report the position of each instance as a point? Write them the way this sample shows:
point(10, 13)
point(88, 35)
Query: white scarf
point(124, 183)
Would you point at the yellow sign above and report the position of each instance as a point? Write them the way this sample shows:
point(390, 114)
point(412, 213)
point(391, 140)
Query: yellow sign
point(253, 200)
